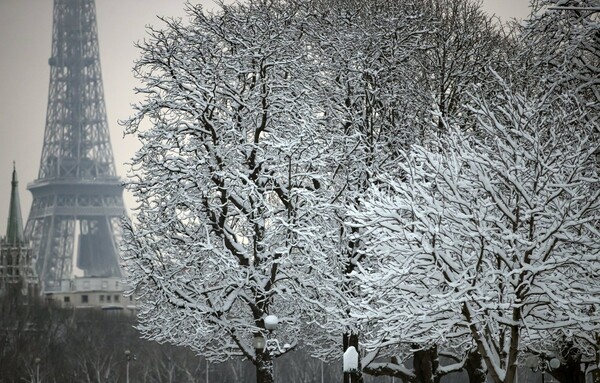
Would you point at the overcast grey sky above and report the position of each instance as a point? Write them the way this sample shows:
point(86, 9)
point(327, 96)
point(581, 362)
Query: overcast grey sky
point(25, 42)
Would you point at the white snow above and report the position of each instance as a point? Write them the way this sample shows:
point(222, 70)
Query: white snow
point(350, 360)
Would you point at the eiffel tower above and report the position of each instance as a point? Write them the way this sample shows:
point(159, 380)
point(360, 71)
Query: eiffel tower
point(73, 223)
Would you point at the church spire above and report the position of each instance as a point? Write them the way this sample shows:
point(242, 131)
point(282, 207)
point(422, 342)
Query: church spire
point(14, 228)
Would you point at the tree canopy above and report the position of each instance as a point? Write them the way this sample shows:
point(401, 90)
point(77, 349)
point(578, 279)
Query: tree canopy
point(389, 175)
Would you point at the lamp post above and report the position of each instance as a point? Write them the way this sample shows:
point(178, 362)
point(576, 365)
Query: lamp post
point(206, 370)
point(269, 346)
point(535, 363)
point(272, 344)
point(271, 322)
point(264, 362)
point(128, 359)
point(37, 370)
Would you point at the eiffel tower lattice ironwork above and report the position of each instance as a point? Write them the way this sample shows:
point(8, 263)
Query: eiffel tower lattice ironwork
point(77, 204)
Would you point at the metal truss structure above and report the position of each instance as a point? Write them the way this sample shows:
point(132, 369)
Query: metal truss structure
point(74, 221)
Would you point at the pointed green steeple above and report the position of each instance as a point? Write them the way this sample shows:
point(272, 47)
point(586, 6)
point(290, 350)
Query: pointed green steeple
point(14, 228)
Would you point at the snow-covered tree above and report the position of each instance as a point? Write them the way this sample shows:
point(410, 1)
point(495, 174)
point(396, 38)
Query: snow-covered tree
point(384, 65)
point(489, 238)
point(227, 180)
point(367, 91)
point(562, 50)
point(561, 43)
point(370, 59)
point(461, 43)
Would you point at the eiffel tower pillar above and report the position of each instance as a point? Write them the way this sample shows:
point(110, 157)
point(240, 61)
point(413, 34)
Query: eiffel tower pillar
point(77, 203)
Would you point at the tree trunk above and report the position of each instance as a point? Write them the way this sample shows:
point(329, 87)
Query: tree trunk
point(348, 341)
point(570, 370)
point(475, 367)
point(595, 373)
point(425, 365)
point(596, 376)
point(569, 373)
point(264, 367)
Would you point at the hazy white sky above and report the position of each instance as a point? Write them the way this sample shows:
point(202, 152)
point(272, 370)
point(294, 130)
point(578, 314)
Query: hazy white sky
point(25, 43)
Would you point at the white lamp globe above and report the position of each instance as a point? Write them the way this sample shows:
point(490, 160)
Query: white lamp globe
point(271, 322)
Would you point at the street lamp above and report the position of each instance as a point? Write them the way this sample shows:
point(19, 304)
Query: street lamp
point(258, 342)
point(37, 370)
point(128, 359)
point(271, 344)
point(554, 363)
point(207, 369)
point(269, 347)
point(271, 322)
point(535, 363)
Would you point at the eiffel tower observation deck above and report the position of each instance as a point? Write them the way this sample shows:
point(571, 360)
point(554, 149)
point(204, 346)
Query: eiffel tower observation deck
point(74, 221)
